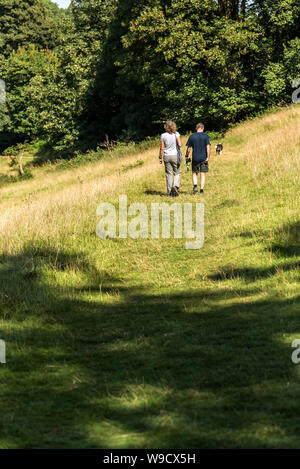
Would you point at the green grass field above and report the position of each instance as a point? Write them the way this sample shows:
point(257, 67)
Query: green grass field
point(142, 343)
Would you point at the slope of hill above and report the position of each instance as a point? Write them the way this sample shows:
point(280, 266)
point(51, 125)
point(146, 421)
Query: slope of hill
point(123, 343)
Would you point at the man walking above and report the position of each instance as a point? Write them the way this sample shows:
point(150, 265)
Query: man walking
point(199, 142)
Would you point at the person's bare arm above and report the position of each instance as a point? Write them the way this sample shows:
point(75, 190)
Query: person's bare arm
point(179, 141)
point(208, 153)
point(161, 151)
point(188, 151)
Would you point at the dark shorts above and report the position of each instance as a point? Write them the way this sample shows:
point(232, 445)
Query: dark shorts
point(199, 167)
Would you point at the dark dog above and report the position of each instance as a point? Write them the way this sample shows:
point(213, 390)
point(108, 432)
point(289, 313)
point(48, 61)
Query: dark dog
point(219, 148)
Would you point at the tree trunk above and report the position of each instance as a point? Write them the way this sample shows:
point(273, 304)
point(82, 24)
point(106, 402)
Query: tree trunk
point(231, 9)
point(243, 8)
point(21, 170)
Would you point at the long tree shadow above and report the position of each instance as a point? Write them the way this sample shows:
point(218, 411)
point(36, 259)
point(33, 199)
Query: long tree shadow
point(285, 246)
point(138, 369)
point(251, 273)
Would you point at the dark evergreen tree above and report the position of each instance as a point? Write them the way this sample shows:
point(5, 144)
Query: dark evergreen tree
point(121, 67)
point(27, 21)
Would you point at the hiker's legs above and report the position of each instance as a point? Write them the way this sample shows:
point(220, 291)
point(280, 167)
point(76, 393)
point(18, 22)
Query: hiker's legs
point(202, 180)
point(177, 173)
point(169, 174)
point(172, 167)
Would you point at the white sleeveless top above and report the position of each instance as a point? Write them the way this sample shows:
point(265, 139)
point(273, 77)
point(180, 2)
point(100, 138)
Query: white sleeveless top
point(170, 143)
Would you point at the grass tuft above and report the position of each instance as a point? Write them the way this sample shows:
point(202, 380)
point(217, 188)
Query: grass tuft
point(140, 343)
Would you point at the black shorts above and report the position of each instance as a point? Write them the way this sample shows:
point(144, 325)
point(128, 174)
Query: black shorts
point(200, 167)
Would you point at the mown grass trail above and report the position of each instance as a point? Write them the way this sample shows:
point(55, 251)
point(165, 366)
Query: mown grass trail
point(141, 343)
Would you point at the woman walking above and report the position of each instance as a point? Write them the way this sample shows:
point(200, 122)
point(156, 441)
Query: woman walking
point(170, 144)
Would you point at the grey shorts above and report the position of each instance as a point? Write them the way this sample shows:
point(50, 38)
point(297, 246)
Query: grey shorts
point(200, 167)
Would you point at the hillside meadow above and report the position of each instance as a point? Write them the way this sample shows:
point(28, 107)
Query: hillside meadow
point(122, 343)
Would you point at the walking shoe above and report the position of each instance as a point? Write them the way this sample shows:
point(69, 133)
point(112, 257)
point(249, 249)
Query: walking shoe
point(174, 191)
point(195, 189)
point(201, 192)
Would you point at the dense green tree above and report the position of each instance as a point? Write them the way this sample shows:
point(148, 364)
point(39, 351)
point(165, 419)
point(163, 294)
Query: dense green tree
point(292, 60)
point(19, 71)
point(47, 90)
point(179, 59)
point(91, 27)
point(27, 21)
point(121, 67)
point(280, 20)
point(233, 9)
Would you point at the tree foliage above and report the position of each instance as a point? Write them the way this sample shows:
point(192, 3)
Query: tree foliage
point(121, 67)
point(28, 21)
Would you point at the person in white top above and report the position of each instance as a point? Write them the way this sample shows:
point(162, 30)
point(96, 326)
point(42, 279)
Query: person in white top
point(170, 141)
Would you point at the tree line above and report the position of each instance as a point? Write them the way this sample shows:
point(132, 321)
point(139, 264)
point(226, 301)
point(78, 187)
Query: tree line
point(121, 67)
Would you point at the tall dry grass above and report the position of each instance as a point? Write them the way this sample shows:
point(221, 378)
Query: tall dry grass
point(55, 211)
point(274, 155)
point(53, 206)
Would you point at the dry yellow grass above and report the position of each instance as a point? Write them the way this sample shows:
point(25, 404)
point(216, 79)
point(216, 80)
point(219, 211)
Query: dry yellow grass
point(39, 208)
point(278, 154)
point(56, 202)
point(134, 343)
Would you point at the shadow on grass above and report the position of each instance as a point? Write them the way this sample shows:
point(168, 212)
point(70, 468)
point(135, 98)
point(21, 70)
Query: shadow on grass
point(152, 192)
point(285, 246)
point(164, 194)
point(228, 203)
point(136, 369)
point(251, 273)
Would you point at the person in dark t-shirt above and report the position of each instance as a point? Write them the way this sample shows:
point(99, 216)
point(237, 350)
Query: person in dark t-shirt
point(199, 142)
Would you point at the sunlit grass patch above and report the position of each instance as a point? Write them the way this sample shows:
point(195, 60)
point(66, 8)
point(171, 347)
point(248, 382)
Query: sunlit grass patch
point(123, 343)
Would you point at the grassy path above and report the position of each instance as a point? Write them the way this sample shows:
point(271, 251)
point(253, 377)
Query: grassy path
point(141, 343)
